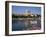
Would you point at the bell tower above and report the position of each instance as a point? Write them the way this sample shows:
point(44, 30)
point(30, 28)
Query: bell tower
point(27, 12)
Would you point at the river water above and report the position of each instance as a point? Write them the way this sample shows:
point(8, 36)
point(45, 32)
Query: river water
point(19, 25)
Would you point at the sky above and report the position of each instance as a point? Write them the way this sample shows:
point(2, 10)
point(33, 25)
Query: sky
point(22, 9)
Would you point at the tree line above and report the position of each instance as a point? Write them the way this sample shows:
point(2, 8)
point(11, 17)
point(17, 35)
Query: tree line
point(22, 16)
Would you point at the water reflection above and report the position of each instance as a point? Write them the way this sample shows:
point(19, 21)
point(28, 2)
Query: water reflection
point(26, 24)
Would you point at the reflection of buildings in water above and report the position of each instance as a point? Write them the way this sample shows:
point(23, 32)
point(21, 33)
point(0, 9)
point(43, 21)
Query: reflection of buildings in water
point(27, 23)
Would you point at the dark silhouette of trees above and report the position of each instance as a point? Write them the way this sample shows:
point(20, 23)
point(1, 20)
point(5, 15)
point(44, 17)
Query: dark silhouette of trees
point(22, 16)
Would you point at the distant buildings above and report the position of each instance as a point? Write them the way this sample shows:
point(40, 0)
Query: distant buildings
point(27, 14)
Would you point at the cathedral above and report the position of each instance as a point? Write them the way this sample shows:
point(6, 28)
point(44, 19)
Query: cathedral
point(28, 13)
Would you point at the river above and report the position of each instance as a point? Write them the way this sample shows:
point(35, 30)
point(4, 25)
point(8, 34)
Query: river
point(26, 24)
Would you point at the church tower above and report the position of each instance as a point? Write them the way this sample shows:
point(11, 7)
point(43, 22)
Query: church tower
point(27, 12)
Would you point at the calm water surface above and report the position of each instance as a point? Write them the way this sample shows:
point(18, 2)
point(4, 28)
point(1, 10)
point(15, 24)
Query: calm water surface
point(18, 25)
